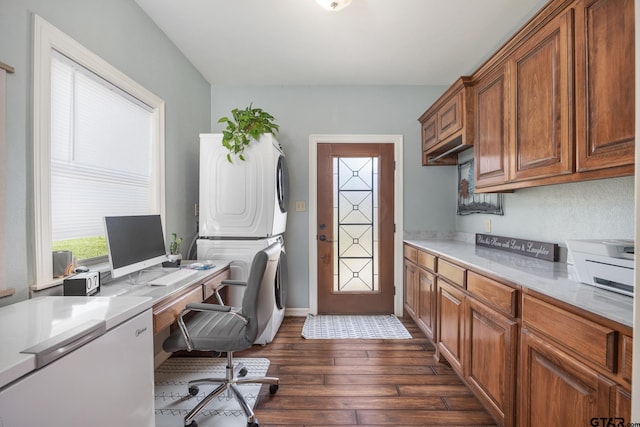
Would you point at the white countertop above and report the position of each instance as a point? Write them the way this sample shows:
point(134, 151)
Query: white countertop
point(27, 323)
point(548, 278)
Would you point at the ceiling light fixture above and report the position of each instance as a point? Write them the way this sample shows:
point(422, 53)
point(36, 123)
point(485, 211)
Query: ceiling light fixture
point(334, 5)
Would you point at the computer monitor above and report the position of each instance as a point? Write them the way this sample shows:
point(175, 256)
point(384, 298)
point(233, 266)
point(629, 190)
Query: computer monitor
point(135, 242)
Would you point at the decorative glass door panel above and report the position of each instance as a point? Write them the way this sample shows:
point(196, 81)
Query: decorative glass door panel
point(355, 217)
point(355, 228)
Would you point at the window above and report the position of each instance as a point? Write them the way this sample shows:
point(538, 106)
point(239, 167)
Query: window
point(98, 149)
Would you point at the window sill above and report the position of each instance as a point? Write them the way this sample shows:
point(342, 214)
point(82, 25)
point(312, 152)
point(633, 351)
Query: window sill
point(48, 284)
point(7, 292)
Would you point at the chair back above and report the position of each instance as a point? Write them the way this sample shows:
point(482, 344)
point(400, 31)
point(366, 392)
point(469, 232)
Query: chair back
point(259, 296)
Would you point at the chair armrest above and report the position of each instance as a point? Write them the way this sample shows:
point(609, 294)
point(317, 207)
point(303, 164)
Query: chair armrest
point(198, 306)
point(234, 282)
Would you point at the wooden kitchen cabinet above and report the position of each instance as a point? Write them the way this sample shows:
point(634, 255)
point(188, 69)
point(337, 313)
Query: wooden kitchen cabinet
point(491, 146)
point(541, 132)
point(450, 324)
point(491, 347)
point(447, 126)
point(605, 85)
point(558, 390)
point(410, 288)
point(426, 319)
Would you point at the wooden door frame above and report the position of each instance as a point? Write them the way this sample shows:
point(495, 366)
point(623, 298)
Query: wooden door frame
point(397, 141)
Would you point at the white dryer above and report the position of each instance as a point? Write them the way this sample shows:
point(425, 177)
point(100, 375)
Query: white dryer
point(242, 253)
point(243, 199)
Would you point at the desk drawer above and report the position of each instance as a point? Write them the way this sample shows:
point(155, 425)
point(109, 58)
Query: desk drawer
point(210, 285)
point(502, 297)
point(453, 273)
point(165, 313)
point(427, 261)
point(591, 340)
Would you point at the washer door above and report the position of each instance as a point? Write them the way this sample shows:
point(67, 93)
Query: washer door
point(282, 279)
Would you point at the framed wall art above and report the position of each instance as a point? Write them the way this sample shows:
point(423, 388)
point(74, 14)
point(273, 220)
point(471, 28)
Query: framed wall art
point(468, 201)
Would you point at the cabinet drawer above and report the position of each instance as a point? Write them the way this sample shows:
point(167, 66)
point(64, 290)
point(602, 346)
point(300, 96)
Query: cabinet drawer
point(411, 253)
point(210, 285)
point(427, 261)
point(502, 297)
point(451, 272)
point(165, 313)
point(591, 340)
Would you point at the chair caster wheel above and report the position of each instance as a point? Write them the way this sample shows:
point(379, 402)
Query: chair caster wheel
point(273, 388)
point(254, 423)
point(193, 390)
point(243, 372)
point(192, 424)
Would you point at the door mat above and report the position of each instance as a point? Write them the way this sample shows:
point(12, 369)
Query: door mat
point(325, 326)
point(173, 402)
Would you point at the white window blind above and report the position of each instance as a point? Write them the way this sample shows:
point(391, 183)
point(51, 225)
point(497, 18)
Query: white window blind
point(101, 152)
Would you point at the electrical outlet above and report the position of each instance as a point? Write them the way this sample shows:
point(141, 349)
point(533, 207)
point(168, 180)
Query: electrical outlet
point(487, 225)
point(301, 206)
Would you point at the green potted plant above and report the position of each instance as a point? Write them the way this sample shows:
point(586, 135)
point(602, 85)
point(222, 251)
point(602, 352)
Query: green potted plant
point(245, 126)
point(174, 252)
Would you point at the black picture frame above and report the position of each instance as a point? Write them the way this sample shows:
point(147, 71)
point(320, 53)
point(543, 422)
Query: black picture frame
point(471, 203)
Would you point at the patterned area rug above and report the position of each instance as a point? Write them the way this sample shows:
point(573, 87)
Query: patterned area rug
point(173, 402)
point(349, 326)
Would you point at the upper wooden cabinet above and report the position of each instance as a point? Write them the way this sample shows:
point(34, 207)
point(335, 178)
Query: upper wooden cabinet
point(492, 127)
point(605, 77)
point(541, 143)
point(447, 126)
point(556, 103)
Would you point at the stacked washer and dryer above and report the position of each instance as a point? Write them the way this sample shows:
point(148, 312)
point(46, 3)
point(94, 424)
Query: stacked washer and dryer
point(243, 209)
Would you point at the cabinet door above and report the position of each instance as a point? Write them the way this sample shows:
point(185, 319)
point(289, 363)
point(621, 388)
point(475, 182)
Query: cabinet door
point(491, 362)
point(450, 324)
point(427, 302)
point(450, 118)
point(541, 138)
point(491, 147)
point(605, 84)
point(410, 288)
point(429, 133)
point(557, 390)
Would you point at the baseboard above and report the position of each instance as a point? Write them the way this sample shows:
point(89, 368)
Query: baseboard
point(296, 312)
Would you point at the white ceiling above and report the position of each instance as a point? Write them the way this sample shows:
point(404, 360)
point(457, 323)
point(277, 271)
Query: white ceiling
point(371, 42)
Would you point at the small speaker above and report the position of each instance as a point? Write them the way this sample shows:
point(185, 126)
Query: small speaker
point(61, 259)
point(83, 284)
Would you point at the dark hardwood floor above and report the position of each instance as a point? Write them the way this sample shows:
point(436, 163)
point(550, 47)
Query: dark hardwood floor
point(361, 383)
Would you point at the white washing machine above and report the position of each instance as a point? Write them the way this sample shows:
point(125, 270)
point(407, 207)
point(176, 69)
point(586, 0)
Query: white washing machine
point(243, 199)
point(241, 252)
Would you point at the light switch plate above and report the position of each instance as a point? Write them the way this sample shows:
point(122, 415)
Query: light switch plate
point(301, 206)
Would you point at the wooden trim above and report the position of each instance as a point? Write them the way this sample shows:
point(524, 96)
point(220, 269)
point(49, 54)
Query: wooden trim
point(7, 292)
point(7, 68)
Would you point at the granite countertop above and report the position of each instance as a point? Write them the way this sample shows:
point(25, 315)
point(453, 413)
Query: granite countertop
point(553, 279)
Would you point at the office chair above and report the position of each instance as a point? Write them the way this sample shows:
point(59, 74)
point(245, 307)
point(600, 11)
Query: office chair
point(221, 328)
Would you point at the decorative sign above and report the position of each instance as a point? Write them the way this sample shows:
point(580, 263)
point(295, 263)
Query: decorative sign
point(531, 248)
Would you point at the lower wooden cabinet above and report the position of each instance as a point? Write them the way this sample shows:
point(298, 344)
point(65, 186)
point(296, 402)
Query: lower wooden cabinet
point(451, 325)
point(558, 390)
point(410, 288)
point(491, 359)
point(426, 303)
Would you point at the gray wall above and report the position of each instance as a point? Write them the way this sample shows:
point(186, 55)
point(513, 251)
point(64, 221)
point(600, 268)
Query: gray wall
point(119, 32)
point(429, 193)
point(582, 210)
point(593, 209)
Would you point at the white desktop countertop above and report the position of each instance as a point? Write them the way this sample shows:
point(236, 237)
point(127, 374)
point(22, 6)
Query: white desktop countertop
point(122, 287)
point(27, 323)
point(552, 279)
